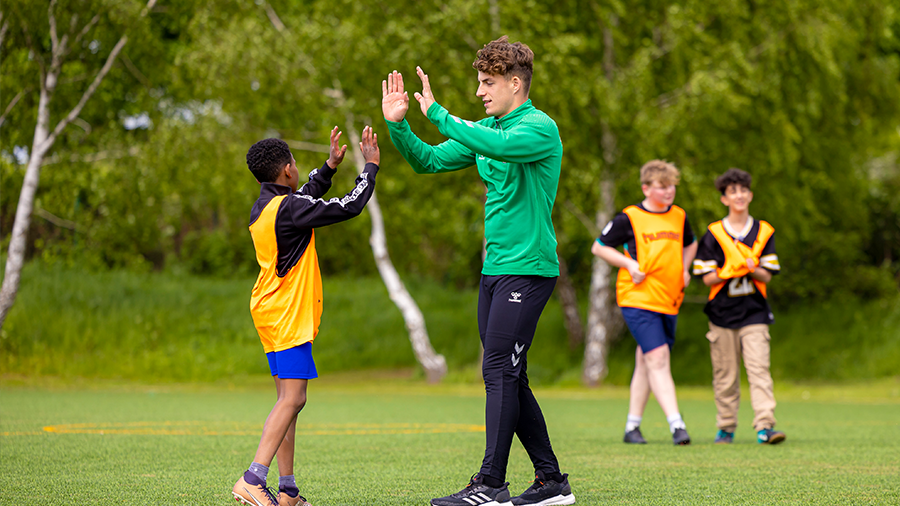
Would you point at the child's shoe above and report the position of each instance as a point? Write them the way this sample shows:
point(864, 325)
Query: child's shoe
point(724, 438)
point(680, 437)
point(247, 491)
point(635, 437)
point(770, 437)
point(285, 499)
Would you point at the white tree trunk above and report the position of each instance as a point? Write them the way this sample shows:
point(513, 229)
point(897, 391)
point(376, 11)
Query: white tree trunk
point(15, 259)
point(601, 313)
point(41, 144)
point(435, 366)
point(604, 322)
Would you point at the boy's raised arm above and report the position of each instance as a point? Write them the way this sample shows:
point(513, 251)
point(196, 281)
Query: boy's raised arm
point(307, 211)
point(320, 179)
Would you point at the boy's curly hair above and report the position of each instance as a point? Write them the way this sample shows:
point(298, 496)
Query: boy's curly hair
point(266, 158)
point(733, 176)
point(502, 58)
point(659, 170)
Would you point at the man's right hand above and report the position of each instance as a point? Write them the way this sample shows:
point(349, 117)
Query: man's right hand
point(369, 146)
point(394, 101)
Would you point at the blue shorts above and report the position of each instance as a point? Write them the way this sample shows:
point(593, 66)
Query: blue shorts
point(293, 363)
point(649, 328)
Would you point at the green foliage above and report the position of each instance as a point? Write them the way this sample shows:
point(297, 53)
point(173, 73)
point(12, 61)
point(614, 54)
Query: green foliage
point(178, 327)
point(207, 436)
point(803, 94)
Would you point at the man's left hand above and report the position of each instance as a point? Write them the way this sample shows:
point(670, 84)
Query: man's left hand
point(426, 98)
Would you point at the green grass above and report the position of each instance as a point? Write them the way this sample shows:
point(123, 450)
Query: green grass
point(164, 327)
point(187, 444)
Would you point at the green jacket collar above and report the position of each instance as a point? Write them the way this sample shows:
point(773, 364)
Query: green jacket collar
point(515, 115)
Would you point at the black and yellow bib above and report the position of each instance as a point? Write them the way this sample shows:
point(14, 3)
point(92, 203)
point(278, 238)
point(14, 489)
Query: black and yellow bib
point(286, 307)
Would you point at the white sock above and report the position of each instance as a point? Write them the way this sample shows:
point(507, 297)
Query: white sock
point(633, 422)
point(675, 422)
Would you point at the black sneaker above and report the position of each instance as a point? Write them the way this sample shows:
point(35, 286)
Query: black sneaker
point(680, 437)
point(635, 437)
point(476, 493)
point(546, 492)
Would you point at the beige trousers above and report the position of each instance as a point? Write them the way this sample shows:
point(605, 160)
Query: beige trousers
point(726, 347)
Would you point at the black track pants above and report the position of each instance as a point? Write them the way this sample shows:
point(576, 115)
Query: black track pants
point(508, 311)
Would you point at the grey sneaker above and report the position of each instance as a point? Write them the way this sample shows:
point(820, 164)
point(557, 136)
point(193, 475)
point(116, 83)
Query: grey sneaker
point(546, 492)
point(635, 437)
point(476, 493)
point(724, 437)
point(680, 437)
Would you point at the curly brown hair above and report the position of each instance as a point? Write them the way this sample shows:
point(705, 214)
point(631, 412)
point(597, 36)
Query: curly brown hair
point(502, 58)
point(733, 176)
point(659, 170)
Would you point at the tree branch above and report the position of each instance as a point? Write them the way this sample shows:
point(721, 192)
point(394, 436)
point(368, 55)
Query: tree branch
point(92, 157)
point(3, 29)
point(308, 146)
point(135, 71)
point(13, 103)
point(583, 218)
point(87, 28)
point(273, 17)
point(56, 220)
point(54, 40)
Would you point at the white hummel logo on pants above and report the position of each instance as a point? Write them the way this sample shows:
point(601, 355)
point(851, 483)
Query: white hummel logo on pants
point(515, 356)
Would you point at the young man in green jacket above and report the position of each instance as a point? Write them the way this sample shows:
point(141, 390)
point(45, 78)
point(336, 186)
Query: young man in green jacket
point(518, 153)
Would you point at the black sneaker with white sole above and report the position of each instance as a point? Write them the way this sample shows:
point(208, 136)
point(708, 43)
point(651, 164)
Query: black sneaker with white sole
point(546, 492)
point(476, 493)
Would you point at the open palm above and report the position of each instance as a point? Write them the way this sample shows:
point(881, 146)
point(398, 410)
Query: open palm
point(394, 101)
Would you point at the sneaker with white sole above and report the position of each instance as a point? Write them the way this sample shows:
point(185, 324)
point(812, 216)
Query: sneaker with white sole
point(546, 492)
point(249, 492)
point(476, 493)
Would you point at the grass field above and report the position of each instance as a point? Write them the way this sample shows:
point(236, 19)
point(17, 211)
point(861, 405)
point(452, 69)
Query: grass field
point(373, 438)
point(165, 327)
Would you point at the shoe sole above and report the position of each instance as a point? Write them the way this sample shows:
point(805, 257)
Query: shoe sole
point(775, 439)
point(559, 500)
point(491, 503)
point(241, 500)
point(682, 443)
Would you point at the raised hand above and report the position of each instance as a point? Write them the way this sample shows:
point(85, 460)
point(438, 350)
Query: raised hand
point(369, 146)
point(426, 98)
point(394, 101)
point(336, 155)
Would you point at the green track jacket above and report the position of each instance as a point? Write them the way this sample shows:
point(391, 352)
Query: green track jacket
point(519, 158)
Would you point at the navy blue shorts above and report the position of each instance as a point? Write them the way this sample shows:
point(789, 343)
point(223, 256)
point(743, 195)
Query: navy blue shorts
point(649, 328)
point(293, 363)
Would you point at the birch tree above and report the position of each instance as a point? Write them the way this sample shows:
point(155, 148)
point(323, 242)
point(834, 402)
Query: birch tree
point(45, 134)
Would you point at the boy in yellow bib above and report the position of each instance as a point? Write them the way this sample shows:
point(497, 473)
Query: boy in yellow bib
point(653, 272)
point(736, 260)
point(286, 301)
